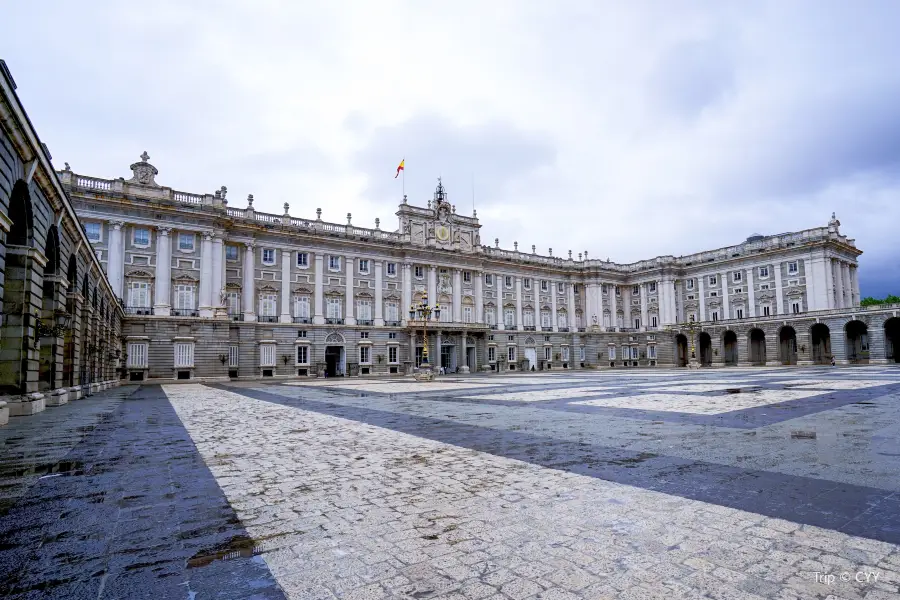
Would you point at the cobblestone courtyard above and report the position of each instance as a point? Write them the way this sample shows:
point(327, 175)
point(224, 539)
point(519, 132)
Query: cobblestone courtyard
point(726, 483)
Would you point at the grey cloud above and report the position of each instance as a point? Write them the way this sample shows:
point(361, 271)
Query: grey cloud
point(691, 76)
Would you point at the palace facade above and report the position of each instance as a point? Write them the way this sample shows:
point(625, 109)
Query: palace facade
point(211, 291)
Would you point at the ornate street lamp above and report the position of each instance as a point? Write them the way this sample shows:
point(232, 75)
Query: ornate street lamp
point(693, 327)
point(423, 312)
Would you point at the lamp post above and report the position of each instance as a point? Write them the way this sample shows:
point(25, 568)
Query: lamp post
point(693, 327)
point(423, 312)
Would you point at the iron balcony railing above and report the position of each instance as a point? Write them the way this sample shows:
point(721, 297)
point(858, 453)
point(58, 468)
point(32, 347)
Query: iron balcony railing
point(305, 320)
point(138, 310)
point(267, 319)
point(333, 321)
point(185, 312)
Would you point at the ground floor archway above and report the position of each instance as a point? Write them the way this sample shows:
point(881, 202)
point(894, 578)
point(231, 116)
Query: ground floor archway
point(681, 350)
point(334, 361)
point(704, 345)
point(757, 346)
point(857, 342)
point(820, 337)
point(892, 339)
point(787, 345)
point(730, 345)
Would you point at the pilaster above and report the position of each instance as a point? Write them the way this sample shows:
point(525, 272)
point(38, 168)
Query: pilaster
point(249, 282)
point(162, 293)
point(379, 295)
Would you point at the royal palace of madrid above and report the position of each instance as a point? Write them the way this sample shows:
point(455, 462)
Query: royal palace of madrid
point(110, 278)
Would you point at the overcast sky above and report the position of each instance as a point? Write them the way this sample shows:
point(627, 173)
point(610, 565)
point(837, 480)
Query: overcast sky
point(630, 129)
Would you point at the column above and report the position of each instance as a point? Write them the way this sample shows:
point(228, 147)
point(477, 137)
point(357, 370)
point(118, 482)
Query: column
point(854, 285)
point(829, 284)
point(249, 284)
point(379, 294)
point(518, 283)
point(848, 289)
point(432, 288)
point(838, 283)
point(501, 309)
point(554, 322)
point(613, 322)
point(701, 297)
point(626, 306)
point(479, 296)
point(678, 301)
point(285, 316)
point(645, 321)
point(319, 300)
point(751, 294)
point(206, 276)
point(218, 259)
point(349, 293)
point(723, 277)
point(573, 324)
point(436, 361)
point(779, 292)
point(162, 299)
point(407, 295)
point(463, 365)
point(457, 296)
point(115, 265)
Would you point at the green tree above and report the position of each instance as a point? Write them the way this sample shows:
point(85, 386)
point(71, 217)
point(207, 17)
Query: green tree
point(889, 299)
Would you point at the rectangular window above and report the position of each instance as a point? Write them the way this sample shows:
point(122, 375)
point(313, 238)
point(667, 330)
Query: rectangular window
point(184, 355)
point(792, 268)
point(690, 297)
point(302, 333)
point(364, 266)
point(334, 263)
point(233, 302)
point(364, 355)
point(363, 335)
point(652, 287)
point(739, 313)
point(302, 259)
point(766, 310)
point(793, 282)
point(492, 353)
point(392, 269)
point(763, 272)
point(511, 338)
point(392, 335)
point(488, 279)
point(267, 303)
point(545, 318)
point(548, 353)
point(692, 316)
point(141, 237)
point(184, 297)
point(545, 286)
point(467, 314)
point(301, 307)
point(186, 242)
point(489, 316)
point(268, 256)
point(737, 276)
point(689, 284)
point(139, 294)
point(137, 355)
point(526, 283)
point(511, 354)
point(231, 252)
point(467, 277)
point(508, 281)
point(713, 294)
point(565, 353)
point(333, 307)
point(611, 353)
point(446, 314)
point(93, 231)
point(560, 288)
point(715, 315)
point(637, 323)
point(364, 310)
point(635, 290)
point(654, 321)
point(651, 352)
point(267, 355)
point(302, 355)
point(509, 317)
point(419, 272)
point(713, 280)
point(233, 356)
point(528, 318)
point(391, 312)
point(764, 286)
point(795, 307)
point(618, 291)
point(393, 354)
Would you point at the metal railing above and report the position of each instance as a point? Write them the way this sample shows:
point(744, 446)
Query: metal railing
point(138, 310)
point(305, 320)
point(267, 319)
point(333, 321)
point(185, 312)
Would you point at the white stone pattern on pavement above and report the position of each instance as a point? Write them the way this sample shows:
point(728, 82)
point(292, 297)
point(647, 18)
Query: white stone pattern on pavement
point(349, 510)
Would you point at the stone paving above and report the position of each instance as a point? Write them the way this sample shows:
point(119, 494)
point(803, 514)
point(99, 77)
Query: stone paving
point(613, 484)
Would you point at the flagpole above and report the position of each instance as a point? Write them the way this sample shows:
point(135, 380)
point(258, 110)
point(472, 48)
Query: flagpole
point(403, 182)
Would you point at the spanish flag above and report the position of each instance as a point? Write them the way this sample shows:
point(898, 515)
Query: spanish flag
point(399, 168)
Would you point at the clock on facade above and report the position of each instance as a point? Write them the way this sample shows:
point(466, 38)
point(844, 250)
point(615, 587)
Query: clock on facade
point(442, 233)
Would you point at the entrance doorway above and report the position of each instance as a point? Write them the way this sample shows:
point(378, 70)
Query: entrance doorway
point(730, 342)
point(821, 344)
point(857, 342)
point(470, 359)
point(448, 358)
point(705, 343)
point(531, 357)
point(892, 339)
point(681, 350)
point(787, 345)
point(334, 361)
point(757, 347)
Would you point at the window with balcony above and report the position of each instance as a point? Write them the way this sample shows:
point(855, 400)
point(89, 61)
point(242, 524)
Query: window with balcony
point(139, 295)
point(766, 310)
point(489, 317)
point(739, 313)
point(267, 304)
point(391, 312)
point(233, 303)
point(528, 318)
point(301, 308)
point(467, 314)
point(509, 317)
point(333, 307)
point(795, 307)
point(364, 310)
point(546, 321)
point(184, 297)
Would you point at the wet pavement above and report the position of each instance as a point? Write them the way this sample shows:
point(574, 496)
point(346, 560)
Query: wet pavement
point(728, 483)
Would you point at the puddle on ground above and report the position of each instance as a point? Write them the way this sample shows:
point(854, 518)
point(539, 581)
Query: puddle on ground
point(65, 467)
point(240, 546)
point(803, 435)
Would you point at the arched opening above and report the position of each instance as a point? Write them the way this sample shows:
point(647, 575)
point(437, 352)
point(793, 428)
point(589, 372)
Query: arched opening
point(821, 343)
point(857, 336)
point(787, 345)
point(69, 340)
point(681, 350)
point(892, 339)
point(18, 322)
point(757, 347)
point(730, 344)
point(704, 342)
point(50, 341)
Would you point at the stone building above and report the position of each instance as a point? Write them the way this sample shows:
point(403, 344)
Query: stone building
point(214, 291)
point(61, 320)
